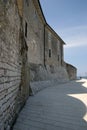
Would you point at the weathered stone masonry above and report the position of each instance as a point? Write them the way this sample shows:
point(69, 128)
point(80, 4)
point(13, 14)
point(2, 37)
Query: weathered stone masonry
point(33, 18)
point(13, 64)
point(54, 55)
point(72, 71)
point(41, 39)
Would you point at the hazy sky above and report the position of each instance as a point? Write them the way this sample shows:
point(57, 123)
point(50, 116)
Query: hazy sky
point(69, 19)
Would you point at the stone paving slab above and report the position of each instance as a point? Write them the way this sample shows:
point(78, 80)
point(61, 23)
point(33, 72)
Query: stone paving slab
point(59, 107)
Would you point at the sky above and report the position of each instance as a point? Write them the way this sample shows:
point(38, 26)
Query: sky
point(69, 19)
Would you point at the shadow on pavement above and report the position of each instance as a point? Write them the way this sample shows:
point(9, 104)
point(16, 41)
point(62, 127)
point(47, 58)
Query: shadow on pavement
point(60, 107)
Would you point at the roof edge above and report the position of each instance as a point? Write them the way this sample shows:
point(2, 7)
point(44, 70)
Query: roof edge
point(37, 4)
point(52, 30)
point(71, 66)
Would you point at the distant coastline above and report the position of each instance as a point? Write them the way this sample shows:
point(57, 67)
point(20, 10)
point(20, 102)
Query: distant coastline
point(81, 77)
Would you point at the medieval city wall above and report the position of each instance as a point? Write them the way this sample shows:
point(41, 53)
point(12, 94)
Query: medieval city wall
point(25, 56)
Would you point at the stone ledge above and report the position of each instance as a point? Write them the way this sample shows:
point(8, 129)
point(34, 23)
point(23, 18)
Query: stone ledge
point(40, 85)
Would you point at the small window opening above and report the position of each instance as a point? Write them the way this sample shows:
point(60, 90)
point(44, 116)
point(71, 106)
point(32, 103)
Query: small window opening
point(25, 29)
point(49, 52)
point(27, 2)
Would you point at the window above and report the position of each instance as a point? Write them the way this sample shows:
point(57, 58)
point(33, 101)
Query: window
point(25, 45)
point(49, 52)
point(25, 29)
point(27, 2)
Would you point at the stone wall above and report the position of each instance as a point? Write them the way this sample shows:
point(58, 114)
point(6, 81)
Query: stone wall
point(54, 44)
point(33, 27)
point(14, 87)
point(72, 71)
point(54, 62)
point(41, 39)
point(35, 33)
point(52, 49)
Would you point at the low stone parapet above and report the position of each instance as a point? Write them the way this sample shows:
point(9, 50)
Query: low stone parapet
point(40, 85)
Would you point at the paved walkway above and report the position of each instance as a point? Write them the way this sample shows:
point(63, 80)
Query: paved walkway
point(60, 107)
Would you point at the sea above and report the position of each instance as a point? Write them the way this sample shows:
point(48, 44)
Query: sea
point(81, 77)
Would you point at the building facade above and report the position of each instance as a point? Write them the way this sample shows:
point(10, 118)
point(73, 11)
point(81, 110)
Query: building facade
point(53, 48)
point(54, 56)
point(72, 71)
point(45, 47)
point(33, 25)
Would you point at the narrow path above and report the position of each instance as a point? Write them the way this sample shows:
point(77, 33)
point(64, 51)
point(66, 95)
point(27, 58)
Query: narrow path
point(60, 107)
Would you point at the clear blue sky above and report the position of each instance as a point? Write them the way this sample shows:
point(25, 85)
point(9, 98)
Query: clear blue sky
point(69, 19)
